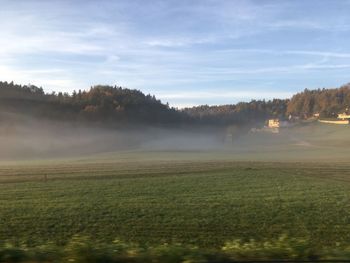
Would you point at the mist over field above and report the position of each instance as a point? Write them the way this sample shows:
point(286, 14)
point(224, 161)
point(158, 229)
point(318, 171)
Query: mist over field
point(23, 137)
point(28, 138)
point(112, 119)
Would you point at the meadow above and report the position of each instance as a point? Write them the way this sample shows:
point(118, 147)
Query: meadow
point(293, 186)
point(204, 203)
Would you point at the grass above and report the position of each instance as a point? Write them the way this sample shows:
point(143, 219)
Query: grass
point(83, 250)
point(263, 196)
point(202, 203)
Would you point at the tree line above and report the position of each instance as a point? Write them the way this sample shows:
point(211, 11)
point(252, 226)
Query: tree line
point(240, 113)
point(326, 102)
point(106, 104)
point(117, 105)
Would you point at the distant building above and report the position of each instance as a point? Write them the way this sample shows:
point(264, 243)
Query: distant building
point(341, 122)
point(274, 123)
point(343, 116)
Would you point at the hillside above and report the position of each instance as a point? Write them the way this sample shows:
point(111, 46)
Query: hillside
point(241, 113)
point(104, 104)
point(117, 105)
point(326, 102)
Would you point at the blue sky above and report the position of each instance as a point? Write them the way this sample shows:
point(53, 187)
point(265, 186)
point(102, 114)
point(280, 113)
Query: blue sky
point(186, 52)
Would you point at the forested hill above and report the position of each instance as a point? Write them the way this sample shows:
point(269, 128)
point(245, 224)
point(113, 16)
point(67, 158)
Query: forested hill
point(104, 104)
point(326, 102)
point(242, 113)
point(116, 105)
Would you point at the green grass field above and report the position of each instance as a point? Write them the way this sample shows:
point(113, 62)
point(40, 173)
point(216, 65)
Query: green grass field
point(260, 187)
point(205, 203)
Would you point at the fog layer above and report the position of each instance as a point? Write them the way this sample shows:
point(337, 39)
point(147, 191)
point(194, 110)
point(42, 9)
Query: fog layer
point(24, 138)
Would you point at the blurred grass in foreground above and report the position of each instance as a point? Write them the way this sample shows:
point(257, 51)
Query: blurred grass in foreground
point(82, 250)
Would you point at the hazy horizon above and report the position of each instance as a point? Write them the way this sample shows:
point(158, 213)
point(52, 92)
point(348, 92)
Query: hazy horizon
point(193, 95)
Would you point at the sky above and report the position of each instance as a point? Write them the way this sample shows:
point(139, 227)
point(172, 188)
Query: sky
point(185, 52)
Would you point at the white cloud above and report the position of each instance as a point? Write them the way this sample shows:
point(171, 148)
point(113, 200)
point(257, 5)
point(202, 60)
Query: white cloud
point(51, 79)
point(178, 42)
point(185, 99)
point(287, 52)
point(297, 24)
point(234, 95)
point(319, 53)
